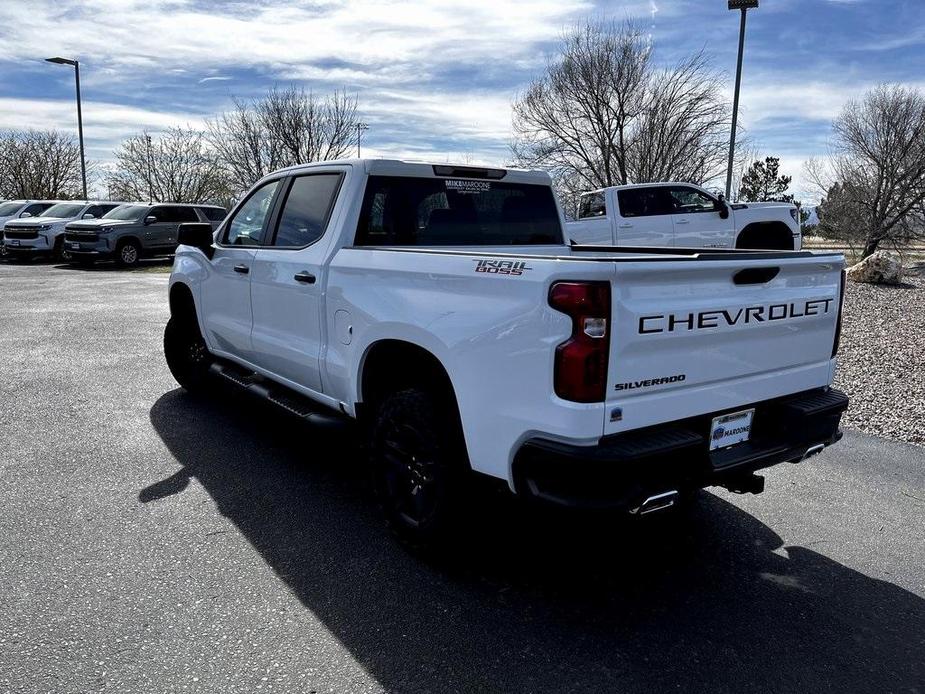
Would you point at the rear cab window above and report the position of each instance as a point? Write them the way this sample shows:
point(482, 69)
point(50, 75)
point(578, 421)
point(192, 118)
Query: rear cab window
point(408, 211)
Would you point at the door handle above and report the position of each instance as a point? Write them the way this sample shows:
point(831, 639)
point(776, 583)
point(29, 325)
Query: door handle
point(242, 268)
point(625, 225)
point(305, 277)
point(683, 221)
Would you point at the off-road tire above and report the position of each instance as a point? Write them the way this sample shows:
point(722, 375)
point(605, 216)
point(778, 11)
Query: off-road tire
point(187, 356)
point(419, 472)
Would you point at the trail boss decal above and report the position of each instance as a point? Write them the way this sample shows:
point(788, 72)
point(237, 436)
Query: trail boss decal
point(501, 267)
point(705, 320)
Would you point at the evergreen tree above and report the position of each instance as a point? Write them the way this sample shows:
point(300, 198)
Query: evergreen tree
point(763, 183)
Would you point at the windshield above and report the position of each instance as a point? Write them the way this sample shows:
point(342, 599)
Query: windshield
point(9, 208)
point(399, 211)
point(64, 209)
point(127, 212)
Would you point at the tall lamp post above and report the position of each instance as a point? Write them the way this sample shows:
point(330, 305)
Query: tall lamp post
point(150, 176)
point(360, 128)
point(80, 122)
point(744, 6)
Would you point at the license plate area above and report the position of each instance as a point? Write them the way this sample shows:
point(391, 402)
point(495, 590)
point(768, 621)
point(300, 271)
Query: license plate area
point(75, 246)
point(730, 429)
point(14, 242)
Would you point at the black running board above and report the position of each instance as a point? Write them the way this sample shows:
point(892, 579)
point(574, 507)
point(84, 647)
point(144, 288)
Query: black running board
point(294, 403)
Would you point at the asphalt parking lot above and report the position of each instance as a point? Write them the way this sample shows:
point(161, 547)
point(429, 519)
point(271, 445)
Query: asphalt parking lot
point(151, 542)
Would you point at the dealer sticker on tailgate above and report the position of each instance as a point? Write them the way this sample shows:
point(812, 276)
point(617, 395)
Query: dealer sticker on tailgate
point(731, 429)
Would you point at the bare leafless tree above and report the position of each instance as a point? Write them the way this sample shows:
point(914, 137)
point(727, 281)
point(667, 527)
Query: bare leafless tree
point(39, 164)
point(177, 166)
point(287, 127)
point(874, 184)
point(604, 114)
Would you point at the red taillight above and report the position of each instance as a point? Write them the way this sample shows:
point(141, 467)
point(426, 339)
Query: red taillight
point(841, 308)
point(581, 361)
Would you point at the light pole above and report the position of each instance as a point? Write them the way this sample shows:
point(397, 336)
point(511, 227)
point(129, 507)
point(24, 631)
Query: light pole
point(744, 6)
point(150, 178)
point(360, 128)
point(80, 122)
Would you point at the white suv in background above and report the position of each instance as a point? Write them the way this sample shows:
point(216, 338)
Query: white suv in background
point(44, 234)
point(13, 209)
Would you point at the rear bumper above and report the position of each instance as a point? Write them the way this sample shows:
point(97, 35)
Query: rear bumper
point(625, 469)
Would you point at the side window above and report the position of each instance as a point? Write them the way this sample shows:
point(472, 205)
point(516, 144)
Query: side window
point(185, 214)
point(36, 208)
point(98, 210)
point(687, 200)
point(643, 202)
point(592, 205)
point(306, 210)
point(163, 214)
point(213, 214)
point(246, 227)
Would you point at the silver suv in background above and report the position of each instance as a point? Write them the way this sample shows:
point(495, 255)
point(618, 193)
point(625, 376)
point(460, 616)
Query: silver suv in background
point(13, 209)
point(44, 234)
point(134, 231)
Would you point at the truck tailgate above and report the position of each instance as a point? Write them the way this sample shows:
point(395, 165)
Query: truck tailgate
point(693, 337)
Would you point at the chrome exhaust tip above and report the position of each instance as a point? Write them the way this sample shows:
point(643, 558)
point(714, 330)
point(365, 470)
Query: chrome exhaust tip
point(659, 502)
point(813, 450)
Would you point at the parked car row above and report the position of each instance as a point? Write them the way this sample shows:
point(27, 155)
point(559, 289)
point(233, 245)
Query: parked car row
point(87, 231)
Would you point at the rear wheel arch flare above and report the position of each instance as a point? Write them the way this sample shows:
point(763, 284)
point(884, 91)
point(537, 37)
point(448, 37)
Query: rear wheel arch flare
point(392, 365)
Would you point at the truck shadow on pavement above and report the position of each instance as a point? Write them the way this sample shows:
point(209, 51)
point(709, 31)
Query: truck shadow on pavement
point(539, 600)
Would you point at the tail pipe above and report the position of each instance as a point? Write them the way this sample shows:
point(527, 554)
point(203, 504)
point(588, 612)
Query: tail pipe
point(811, 451)
point(658, 502)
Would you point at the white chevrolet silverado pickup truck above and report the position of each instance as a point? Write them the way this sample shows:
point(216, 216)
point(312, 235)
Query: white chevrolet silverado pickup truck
point(442, 307)
point(684, 215)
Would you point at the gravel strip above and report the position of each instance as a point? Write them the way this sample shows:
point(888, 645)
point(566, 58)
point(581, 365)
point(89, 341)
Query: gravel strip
point(881, 362)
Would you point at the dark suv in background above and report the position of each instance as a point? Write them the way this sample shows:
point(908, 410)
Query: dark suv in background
point(131, 232)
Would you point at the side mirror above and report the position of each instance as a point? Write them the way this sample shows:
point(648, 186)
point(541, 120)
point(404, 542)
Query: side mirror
point(723, 207)
point(150, 219)
point(87, 215)
point(25, 214)
point(198, 235)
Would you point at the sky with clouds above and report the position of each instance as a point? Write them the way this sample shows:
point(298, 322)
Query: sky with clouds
point(435, 78)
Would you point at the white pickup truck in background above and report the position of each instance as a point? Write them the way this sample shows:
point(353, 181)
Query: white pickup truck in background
point(683, 215)
point(442, 307)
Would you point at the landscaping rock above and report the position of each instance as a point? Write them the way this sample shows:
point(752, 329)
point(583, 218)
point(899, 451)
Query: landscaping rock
point(880, 363)
point(879, 268)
